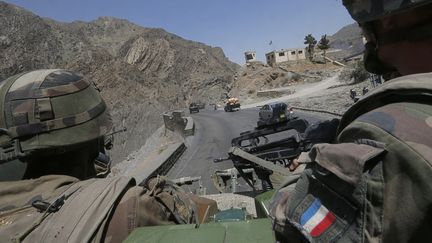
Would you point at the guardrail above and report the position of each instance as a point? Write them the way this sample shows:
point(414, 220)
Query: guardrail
point(170, 160)
point(317, 110)
point(273, 93)
point(174, 121)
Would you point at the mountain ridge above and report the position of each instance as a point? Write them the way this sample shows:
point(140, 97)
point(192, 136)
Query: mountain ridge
point(141, 71)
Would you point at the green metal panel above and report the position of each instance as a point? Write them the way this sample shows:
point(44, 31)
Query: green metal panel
point(261, 203)
point(257, 230)
point(233, 214)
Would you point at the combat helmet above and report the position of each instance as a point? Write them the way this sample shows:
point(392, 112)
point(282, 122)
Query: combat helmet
point(49, 109)
point(366, 11)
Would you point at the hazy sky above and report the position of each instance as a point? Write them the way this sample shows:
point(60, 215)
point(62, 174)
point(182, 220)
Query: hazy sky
point(235, 25)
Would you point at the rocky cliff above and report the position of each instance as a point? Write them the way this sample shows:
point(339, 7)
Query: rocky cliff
point(141, 72)
point(349, 39)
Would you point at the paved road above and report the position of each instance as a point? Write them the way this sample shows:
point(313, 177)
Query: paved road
point(213, 133)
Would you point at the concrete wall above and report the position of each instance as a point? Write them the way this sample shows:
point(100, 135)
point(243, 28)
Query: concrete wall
point(281, 56)
point(176, 121)
point(270, 58)
point(273, 93)
point(292, 55)
point(301, 54)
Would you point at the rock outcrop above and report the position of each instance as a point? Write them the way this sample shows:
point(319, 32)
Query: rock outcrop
point(141, 72)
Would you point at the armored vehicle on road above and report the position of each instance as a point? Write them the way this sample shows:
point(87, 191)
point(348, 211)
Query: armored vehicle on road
point(273, 113)
point(193, 108)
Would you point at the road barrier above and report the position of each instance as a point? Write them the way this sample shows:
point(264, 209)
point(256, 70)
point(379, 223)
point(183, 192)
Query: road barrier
point(176, 121)
point(177, 151)
point(273, 93)
point(189, 129)
point(160, 161)
point(316, 110)
point(157, 162)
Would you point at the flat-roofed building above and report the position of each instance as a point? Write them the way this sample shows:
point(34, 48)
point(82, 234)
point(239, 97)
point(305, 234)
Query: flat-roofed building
point(285, 55)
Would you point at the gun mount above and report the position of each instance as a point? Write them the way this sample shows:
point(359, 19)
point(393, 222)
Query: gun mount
point(254, 150)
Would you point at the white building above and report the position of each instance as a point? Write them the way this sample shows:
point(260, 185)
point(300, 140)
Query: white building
point(285, 55)
point(250, 56)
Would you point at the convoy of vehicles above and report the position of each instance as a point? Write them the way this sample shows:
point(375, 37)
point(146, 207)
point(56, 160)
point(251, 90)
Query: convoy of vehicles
point(252, 148)
point(254, 159)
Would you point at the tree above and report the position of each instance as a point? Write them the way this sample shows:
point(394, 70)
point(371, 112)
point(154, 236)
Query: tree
point(311, 42)
point(324, 45)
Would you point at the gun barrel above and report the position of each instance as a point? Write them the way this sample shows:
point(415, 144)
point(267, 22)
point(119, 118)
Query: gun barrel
point(124, 129)
point(221, 159)
point(186, 180)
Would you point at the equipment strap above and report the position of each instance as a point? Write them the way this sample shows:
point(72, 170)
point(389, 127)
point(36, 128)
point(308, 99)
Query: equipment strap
point(59, 123)
point(84, 214)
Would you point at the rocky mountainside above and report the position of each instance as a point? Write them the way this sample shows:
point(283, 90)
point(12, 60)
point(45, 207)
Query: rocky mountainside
point(255, 79)
point(141, 72)
point(258, 82)
point(348, 39)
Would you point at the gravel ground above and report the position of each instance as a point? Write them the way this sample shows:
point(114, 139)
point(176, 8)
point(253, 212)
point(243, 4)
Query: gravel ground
point(330, 94)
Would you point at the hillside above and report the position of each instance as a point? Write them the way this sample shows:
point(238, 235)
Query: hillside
point(141, 72)
point(348, 39)
point(258, 81)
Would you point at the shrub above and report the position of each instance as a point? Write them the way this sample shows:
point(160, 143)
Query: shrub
point(295, 77)
point(355, 74)
point(359, 73)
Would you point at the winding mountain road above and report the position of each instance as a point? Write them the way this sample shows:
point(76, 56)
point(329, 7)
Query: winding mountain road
point(213, 133)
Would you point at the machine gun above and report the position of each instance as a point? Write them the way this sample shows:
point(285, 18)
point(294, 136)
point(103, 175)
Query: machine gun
point(103, 161)
point(109, 138)
point(276, 155)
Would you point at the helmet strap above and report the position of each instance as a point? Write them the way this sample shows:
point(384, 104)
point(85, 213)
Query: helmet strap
point(10, 148)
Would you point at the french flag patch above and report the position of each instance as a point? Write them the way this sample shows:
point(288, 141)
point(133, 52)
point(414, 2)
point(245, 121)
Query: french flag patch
point(317, 219)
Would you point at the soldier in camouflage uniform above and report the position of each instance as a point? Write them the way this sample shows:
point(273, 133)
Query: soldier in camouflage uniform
point(374, 183)
point(52, 127)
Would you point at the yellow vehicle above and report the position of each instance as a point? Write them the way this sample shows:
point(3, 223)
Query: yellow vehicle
point(232, 104)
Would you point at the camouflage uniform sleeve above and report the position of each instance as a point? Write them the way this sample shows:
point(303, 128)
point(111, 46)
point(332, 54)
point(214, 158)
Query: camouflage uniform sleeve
point(161, 203)
point(406, 129)
point(336, 166)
